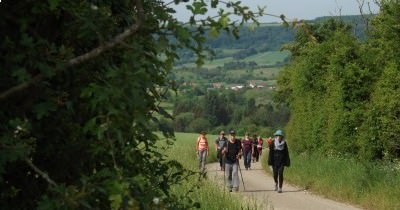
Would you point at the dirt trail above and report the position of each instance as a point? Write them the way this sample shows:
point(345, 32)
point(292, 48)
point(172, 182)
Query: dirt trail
point(260, 186)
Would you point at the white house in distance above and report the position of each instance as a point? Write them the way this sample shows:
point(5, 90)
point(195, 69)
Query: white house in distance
point(235, 86)
point(257, 84)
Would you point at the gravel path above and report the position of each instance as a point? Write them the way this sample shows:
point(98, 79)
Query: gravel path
point(260, 187)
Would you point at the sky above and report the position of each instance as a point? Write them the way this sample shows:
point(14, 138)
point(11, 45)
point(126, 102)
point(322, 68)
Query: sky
point(300, 9)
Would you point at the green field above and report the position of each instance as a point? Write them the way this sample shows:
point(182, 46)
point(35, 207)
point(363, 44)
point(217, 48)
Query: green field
point(265, 58)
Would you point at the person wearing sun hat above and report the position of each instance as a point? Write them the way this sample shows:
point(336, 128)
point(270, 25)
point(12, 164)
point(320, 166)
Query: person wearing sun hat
point(278, 158)
point(219, 144)
point(202, 150)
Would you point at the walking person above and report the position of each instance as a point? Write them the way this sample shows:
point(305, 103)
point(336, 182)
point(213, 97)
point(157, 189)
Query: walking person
point(255, 149)
point(202, 150)
point(232, 151)
point(278, 158)
point(219, 144)
point(260, 143)
point(247, 145)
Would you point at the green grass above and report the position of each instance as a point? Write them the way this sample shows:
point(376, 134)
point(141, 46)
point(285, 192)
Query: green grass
point(266, 72)
point(265, 58)
point(209, 194)
point(370, 185)
point(262, 96)
point(268, 58)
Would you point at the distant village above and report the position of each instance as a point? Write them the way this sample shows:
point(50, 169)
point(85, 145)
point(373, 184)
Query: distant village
point(259, 84)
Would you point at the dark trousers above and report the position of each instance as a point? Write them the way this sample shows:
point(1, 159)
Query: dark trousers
point(221, 159)
point(278, 175)
point(247, 159)
point(256, 155)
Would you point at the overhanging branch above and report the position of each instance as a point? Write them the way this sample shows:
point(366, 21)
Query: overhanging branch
point(44, 175)
point(82, 58)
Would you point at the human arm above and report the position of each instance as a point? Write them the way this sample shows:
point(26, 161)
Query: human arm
point(270, 155)
point(287, 157)
point(240, 146)
point(197, 144)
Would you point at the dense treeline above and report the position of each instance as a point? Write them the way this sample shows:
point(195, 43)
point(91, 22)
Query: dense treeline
point(343, 93)
point(223, 109)
point(263, 38)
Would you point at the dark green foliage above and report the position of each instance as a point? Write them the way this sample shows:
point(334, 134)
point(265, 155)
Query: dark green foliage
point(80, 82)
point(224, 109)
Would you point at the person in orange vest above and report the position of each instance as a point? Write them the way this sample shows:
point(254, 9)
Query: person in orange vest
point(278, 158)
point(202, 150)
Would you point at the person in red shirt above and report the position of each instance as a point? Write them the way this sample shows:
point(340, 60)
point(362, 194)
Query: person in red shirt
point(247, 145)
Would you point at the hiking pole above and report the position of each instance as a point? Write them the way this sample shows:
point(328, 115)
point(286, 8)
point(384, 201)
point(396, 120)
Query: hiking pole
point(224, 182)
point(241, 175)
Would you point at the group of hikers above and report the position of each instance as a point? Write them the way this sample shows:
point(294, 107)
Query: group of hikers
point(230, 150)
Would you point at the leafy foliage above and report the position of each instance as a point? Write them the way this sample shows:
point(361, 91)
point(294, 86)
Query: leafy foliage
point(343, 92)
point(79, 84)
point(225, 109)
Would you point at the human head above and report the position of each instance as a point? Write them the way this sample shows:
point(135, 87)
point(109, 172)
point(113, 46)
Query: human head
point(222, 133)
point(203, 133)
point(232, 133)
point(279, 133)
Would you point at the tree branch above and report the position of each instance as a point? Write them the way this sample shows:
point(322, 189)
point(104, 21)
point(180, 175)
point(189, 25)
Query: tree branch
point(41, 173)
point(82, 58)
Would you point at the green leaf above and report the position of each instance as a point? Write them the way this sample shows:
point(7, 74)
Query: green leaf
point(53, 4)
point(213, 32)
point(214, 3)
point(44, 109)
point(224, 20)
point(182, 34)
point(21, 75)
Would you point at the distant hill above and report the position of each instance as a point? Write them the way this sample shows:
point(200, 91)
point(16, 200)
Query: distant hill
point(256, 55)
point(268, 37)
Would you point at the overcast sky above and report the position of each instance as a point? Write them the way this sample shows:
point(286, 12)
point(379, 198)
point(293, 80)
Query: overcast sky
point(301, 9)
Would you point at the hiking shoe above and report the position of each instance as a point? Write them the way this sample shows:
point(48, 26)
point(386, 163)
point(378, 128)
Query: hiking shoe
point(235, 189)
point(276, 187)
point(280, 190)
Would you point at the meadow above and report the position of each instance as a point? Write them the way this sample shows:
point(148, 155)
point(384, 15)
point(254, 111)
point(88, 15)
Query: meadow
point(207, 193)
point(264, 58)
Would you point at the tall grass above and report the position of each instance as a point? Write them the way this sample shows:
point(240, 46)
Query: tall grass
point(370, 185)
point(209, 194)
